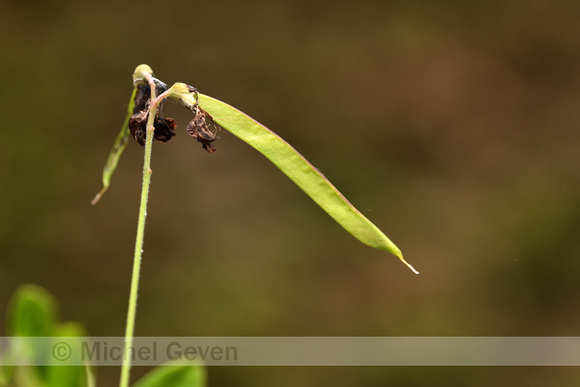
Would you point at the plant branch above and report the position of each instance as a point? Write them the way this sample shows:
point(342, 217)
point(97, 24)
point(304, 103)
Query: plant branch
point(132, 310)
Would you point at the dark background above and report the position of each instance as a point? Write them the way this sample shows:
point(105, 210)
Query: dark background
point(454, 126)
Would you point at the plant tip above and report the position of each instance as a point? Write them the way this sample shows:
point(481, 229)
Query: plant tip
point(139, 74)
point(98, 196)
point(408, 264)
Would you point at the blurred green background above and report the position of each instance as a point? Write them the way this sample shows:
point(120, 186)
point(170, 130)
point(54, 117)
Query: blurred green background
point(453, 126)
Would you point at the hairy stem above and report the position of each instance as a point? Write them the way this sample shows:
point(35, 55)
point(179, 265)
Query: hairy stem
point(132, 310)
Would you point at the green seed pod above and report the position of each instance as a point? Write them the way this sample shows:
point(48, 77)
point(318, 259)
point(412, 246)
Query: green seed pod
point(301, 172)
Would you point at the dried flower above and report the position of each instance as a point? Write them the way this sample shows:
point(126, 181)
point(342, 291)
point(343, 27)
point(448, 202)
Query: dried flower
point(199, 130)
point(164, 127)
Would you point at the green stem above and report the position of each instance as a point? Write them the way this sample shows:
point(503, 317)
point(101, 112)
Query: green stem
point(130, 328)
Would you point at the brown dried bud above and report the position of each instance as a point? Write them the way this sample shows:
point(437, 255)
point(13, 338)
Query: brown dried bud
point(164, 128)
point(199, 130)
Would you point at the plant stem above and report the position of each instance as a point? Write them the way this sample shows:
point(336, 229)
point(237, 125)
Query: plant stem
point(132, 310)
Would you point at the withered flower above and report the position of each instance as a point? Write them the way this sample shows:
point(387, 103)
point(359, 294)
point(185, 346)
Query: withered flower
point(143, 97)
point(199, 130)
point(164, 127)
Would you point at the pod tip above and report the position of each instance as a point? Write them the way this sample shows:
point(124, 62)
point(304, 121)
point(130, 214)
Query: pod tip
point(408, 264)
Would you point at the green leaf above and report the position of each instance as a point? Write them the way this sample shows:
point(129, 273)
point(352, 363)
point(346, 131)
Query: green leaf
point(118, 148)
point(301, 172)
point(69, 376)
point(175, 375)
point(32, 315)
point(32, 312)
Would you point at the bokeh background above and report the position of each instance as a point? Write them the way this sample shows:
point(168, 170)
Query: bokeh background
point(453, 125)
